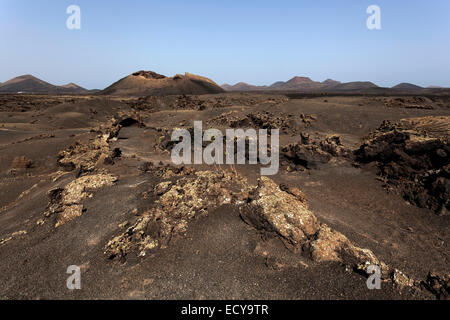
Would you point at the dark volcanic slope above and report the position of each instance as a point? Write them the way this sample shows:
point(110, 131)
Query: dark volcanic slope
point(31, 84)
point(407, 86)
point(296, 83)
point(144, 83)
point(88, 181)
point(242, 86)
point(356, 85)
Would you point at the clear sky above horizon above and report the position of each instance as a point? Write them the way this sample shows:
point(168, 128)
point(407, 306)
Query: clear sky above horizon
point(255, 41)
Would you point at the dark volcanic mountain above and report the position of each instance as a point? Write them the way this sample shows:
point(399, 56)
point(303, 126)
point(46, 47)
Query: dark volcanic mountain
point(227, 87)
point(355, 85)
point(26, 83)
point(296, 83)
point(406, 86)
point(242, 86)
point(306, 84)
point(144, 83)
point(31, 84)
point(330, 83)
point(72, 86)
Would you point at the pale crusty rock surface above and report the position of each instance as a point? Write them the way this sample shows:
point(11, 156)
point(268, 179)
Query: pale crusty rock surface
point(277, 211)
point(178, 202)
point(67, 202)
point(281, 212)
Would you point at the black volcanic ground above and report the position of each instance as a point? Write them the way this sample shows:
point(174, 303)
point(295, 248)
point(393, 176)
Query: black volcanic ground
point(87, 180)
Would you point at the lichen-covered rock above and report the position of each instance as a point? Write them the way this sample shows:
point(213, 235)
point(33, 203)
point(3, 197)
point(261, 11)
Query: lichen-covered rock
point(134, 236)
point(438, 285)
point(89, 156)
point(81, 188)
point(276, 211)
point(21, 163)
point(333, 145)
point(331, 245)
point(295, 192)
point(178, 202)
point(12, 236)
point(413, 157)
point(69, 213)
point(310, 153)
point(84, 157)
point(66, 202)
point(162, 188)
point(401, 280)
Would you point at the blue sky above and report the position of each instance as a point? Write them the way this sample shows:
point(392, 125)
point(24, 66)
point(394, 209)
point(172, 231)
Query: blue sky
point(254, 41)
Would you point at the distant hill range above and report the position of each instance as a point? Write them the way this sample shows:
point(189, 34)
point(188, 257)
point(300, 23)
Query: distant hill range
point(305, 84)
point(144, 83)
point(31, 84)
